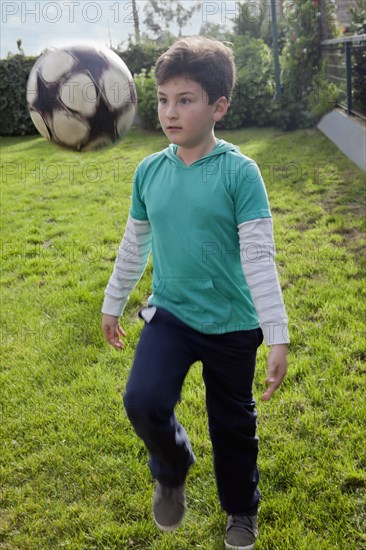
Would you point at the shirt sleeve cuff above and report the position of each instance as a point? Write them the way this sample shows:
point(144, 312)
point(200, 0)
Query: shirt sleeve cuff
point(113, 306)
point(275, 333)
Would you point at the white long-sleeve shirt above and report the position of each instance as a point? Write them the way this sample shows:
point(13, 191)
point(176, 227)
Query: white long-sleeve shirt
point(257, 254)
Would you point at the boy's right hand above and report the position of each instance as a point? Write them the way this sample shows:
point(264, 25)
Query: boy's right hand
point(112, 331)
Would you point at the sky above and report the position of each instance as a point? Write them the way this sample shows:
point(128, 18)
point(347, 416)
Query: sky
point(55, 23)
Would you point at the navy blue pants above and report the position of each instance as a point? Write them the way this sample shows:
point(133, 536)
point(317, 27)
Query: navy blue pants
point(166, 349)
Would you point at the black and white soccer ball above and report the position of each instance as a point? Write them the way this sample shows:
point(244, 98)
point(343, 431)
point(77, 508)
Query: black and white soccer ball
point(81, 97)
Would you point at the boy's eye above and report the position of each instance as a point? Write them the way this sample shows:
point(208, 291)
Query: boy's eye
point(183, 100)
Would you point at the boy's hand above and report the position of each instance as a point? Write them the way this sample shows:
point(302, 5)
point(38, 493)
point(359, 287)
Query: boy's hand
point(277, 369)
point(112, 331)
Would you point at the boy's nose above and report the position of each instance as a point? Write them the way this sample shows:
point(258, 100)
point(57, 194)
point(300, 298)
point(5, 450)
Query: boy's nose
point(171, 112)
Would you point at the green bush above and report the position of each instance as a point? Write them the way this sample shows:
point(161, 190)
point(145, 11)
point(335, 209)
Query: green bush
point(253, 100)
point(303, 110)
point(324, 97)
point(252, 97)
point(15, 119)
point(305, 94)
point(142, 56)
point(358, 26)
point(147, 102)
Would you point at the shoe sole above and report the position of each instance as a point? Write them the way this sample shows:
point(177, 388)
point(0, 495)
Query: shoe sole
point(231, 547)
point(167, 528)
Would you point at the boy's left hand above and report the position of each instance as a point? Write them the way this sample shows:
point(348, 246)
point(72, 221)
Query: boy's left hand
point(277, 369)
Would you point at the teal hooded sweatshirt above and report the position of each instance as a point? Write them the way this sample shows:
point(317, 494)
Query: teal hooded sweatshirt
point(194, 212)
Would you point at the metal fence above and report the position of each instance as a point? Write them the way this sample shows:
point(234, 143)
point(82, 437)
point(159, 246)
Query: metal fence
point(345, 62)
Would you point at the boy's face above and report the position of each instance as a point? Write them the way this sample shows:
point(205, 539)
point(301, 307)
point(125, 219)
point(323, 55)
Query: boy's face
point(184, 113)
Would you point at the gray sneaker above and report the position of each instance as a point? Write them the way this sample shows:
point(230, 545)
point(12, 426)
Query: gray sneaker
point(241, 532)
point(169, 506)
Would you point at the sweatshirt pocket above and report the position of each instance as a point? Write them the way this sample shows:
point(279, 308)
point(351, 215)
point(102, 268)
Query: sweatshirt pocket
point(196, 297)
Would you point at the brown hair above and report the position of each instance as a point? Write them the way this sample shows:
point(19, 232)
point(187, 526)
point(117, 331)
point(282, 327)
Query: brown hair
point(204, 60)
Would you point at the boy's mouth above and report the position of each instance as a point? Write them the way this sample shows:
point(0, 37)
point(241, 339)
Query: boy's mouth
point(174, 127)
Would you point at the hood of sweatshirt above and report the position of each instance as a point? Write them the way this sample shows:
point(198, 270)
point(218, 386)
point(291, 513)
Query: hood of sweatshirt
point(221, 147)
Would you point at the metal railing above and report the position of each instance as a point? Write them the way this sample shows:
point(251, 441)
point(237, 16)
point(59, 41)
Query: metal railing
point(344, 59)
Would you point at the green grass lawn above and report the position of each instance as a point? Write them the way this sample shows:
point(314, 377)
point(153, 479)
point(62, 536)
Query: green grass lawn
point(73, 474)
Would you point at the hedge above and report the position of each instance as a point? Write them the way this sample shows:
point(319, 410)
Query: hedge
point(252, 101)
point(15, 119)
point(14, 72)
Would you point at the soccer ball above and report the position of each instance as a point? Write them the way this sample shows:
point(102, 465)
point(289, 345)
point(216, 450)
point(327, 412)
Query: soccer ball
point(81, 97)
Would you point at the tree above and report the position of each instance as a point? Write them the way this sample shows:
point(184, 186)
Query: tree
point(251, 17)
point(136, 21)
point(254, 20)
point(215, 30)
point(305, 93)
point(324, 20)
point(170, 13)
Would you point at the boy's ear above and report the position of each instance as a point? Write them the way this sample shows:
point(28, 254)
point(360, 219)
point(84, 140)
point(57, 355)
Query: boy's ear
point(220, 109)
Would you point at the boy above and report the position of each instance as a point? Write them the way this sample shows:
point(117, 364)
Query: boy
point(202, 207)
